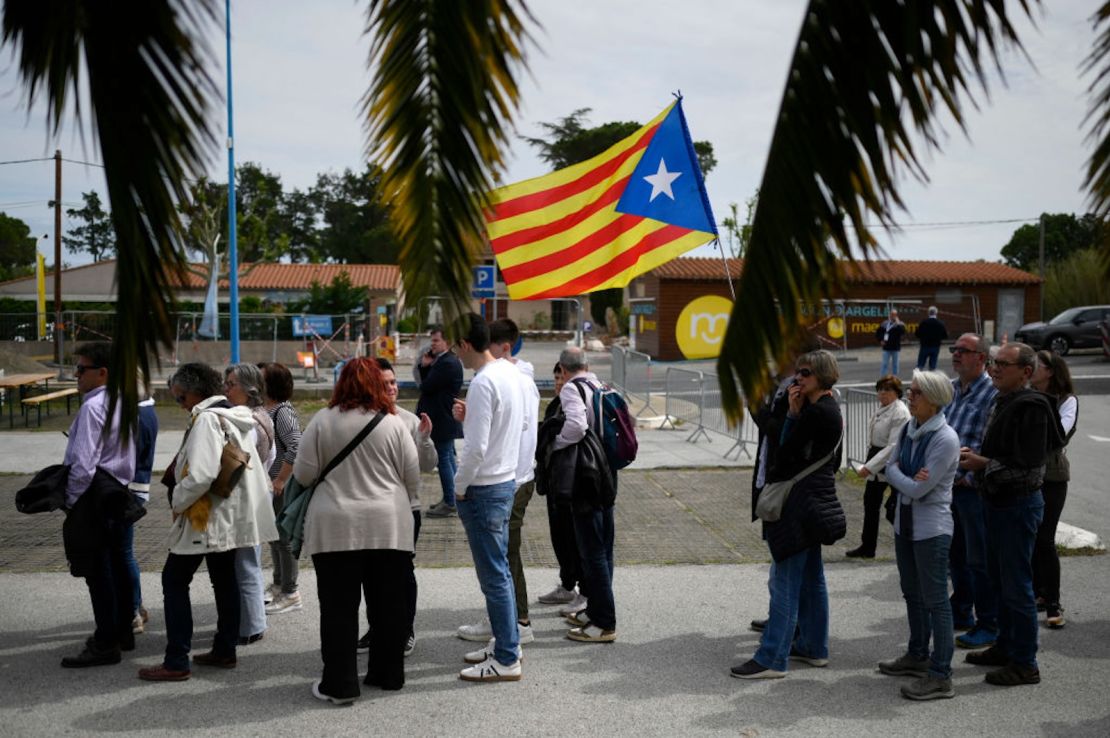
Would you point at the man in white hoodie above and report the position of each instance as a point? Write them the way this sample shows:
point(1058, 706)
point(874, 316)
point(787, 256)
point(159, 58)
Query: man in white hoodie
point(485, 485)
point(503, 335)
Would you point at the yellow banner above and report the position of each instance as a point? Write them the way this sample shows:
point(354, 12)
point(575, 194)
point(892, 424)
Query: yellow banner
point(41, 270)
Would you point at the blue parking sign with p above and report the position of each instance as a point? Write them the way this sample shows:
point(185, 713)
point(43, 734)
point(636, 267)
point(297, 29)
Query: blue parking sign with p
point(484, 281)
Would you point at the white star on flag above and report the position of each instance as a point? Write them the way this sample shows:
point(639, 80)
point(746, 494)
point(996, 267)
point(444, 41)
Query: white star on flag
point(661, 181)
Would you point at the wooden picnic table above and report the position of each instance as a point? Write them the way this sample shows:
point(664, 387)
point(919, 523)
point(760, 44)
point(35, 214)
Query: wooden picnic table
point(22, 382)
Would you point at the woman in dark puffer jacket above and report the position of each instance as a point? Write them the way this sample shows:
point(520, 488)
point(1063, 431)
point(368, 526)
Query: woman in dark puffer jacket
point(798, 623)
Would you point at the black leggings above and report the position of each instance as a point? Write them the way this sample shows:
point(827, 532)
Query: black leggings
point(1046, 561)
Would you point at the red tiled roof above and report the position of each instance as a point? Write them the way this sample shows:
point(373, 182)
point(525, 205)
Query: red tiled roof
point(875, 272)
point(375, 277)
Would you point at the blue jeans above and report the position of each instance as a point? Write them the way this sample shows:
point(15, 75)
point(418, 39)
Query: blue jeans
point(484, 513)
point(890, 360)
point(1011, 533)
point(447, 464)
point(252, 586)
point(132, 563)
point(923, 571)
point(971, 584)
point(594, 534)
point(799, 599)
point(929, 355)
point(177, 575)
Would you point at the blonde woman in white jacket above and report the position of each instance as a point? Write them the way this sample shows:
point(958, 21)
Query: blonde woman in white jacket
point(883, 430)
point(207, 526)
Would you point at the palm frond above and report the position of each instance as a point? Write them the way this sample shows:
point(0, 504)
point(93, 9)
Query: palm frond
point(148, 97)
point(1098, 116)
point(866, 76)
point(438, 114)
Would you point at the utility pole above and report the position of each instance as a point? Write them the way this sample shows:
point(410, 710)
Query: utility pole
point(232, 241)
point(59, 327)
point(1041, 260)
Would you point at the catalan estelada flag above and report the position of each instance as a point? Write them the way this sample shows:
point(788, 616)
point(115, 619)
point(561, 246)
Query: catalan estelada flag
point(600, 223)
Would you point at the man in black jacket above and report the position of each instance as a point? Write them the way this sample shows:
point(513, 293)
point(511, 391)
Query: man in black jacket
point(441, 378)
point(930, 333)
point(1009, 468)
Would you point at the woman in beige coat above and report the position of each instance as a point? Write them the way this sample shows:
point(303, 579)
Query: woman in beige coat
point(207, 526)
point(359, 530)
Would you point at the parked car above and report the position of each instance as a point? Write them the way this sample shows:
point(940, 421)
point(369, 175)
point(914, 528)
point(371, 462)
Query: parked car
point(1076, 327)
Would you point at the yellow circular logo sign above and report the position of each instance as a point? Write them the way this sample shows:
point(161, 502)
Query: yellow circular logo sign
point(701, 325)
point(836, 328)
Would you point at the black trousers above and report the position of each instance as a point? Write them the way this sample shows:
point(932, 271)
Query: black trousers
point(1046, 560)
point(110, 589)
point(177, 575)
point(412, 578)
point(873, 493)
point(560, 521)
point(341, 578)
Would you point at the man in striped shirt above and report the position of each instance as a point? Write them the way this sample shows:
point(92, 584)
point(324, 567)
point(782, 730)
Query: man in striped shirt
point(94, 446)
point(967, 414)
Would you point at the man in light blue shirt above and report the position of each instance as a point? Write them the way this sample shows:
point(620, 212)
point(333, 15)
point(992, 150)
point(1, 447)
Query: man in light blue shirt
point(95, 445)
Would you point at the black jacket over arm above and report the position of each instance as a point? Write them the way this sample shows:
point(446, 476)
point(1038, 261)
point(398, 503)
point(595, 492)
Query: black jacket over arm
point(812, 514)
point(440, 384)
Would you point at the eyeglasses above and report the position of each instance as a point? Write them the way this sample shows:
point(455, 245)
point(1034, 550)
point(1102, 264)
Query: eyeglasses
point(962, 350)
point(81, 368)
point(229, 383)
point(1003, 364)
point(805, 372)
point(914, 392)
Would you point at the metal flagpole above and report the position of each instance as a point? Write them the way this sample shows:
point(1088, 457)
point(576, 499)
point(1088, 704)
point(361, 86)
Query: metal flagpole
point(232, 252)
point(724, 258)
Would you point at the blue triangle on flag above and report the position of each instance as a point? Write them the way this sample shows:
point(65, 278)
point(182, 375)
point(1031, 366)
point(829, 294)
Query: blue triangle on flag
point(667, 184)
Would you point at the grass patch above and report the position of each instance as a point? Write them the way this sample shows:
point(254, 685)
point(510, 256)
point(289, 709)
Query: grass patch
point(1085, 551)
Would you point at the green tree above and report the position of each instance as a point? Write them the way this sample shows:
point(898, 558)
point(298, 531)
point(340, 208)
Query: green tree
point(356, 227)
point(1064, 235)
point(95, 235)
point(1075, 280)
point(569, 141)
point(738, 234)
point(17, 248)
point(337, 298)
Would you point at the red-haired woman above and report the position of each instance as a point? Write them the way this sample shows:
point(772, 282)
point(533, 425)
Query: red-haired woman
point(358, 530)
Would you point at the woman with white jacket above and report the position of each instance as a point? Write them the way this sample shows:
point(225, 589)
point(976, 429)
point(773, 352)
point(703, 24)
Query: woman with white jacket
point(883, 432)
point(207, 526)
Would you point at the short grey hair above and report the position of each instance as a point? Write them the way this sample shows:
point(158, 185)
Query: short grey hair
point(250, 379)
point(932, 311)
point(935, 387)
point(982, 345)
point(824, 367)
point(1026, 355)
point(197, 378)
point(573, 360)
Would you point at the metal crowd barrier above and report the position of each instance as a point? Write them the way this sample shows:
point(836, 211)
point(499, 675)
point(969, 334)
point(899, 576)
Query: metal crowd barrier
point(694, 398)
point(637, 379)
point(857, 406)
point(618, 374)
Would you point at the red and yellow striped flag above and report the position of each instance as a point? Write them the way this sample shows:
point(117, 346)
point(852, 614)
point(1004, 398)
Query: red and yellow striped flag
point(598, 224)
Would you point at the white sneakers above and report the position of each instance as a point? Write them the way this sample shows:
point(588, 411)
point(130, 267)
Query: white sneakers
point(575, 606)
point(337, 701)
point(284, 603)
point(490, 670)
point(483, 632)
point(558, 596)
point(477, 657)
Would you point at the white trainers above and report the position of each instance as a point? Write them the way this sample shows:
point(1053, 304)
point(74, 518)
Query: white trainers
point(492, 671)
point(410, 645)
point(577, 605)
point(137, 624)
point(558, 596)
point(483, 631)
point(337, 701)
point(285, 603)
point(477, 657)
point(271, 592)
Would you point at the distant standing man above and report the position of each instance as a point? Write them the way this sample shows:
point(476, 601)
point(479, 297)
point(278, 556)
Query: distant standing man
point(972, 396)
point(890, 335)
point(1023, 429)
point(441, 378)
point(593, 523)
point(100, 468)
point(930, 334)
point(493, 420)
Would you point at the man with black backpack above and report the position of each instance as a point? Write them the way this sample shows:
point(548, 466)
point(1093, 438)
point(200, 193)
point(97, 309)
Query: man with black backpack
point(592, 508)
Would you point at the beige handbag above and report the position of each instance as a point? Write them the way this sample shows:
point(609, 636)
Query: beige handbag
point(234, 462)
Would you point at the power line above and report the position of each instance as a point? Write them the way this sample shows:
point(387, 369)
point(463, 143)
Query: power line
point(26, 161)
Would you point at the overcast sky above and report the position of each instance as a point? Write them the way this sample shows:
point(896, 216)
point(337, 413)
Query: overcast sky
point(299, 70)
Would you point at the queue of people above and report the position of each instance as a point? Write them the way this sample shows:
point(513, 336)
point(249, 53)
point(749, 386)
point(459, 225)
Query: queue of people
point(976, 466)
